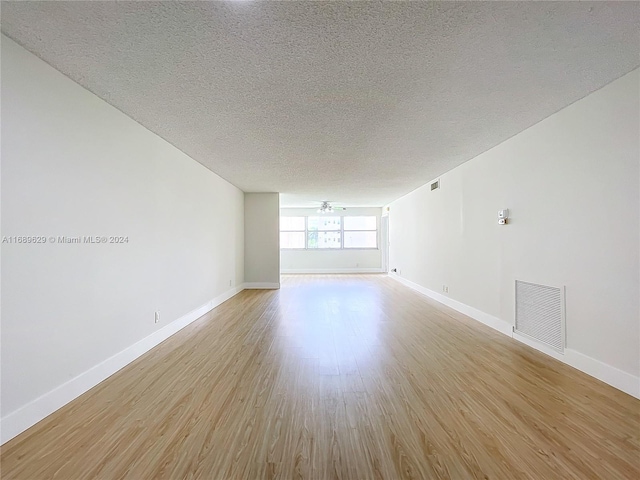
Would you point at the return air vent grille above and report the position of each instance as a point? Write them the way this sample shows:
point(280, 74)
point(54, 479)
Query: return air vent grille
point(435, 185)
point(540, 313)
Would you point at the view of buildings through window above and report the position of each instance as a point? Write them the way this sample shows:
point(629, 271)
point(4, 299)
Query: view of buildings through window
point(328, 232)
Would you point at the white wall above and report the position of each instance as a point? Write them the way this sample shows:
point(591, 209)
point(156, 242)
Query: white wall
point(72, 165)
point(262, 240)
point(571, 184)
point(331, 261)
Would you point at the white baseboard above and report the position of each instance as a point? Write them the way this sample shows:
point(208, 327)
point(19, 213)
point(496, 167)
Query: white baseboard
point(330, 270)
point(20, 420)
point(533, 343)
point(261, 285)
point(608, 374)
point(489, 320)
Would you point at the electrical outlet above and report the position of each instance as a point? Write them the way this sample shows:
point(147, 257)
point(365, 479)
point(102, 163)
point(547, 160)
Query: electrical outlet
point(445, 288)
point(229, 282)
point(157, 317)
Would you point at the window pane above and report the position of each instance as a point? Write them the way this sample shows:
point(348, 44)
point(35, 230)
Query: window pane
point(323, 223)
point(291, 223)
point(360, 239)
point(359, 223)
point(291, 239)
point(324, 240)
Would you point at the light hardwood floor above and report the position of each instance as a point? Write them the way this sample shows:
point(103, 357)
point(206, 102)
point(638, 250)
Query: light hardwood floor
point(345, 376)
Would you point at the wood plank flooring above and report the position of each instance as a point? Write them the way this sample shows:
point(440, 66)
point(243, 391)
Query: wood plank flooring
point(347, 377)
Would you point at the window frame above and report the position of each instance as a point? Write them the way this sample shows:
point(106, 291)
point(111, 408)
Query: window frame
point(341, 230)
point(307, 231)
point(304, 232)
point(377, 247)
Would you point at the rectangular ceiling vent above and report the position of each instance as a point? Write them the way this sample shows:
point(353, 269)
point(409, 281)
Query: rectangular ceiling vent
point(540, 313)
point(435, 185)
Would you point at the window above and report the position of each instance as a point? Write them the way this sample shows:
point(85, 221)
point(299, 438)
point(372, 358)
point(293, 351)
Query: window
point(360, 232)
point(292, 232)
point(328, 232)
point(324, 232)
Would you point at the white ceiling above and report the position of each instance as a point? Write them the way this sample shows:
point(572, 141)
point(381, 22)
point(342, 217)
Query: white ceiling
point(357, 103)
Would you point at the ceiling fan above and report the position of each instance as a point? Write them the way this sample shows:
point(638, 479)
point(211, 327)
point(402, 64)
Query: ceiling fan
point(326, 207)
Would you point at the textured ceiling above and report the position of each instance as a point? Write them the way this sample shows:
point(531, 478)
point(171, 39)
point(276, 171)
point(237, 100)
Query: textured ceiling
point(354, 102)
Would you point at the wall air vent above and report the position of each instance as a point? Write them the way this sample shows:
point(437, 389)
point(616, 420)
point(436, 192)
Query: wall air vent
point(540, 313)
point(435, 185)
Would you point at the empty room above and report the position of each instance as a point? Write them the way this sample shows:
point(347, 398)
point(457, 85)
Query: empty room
point(320, 240)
